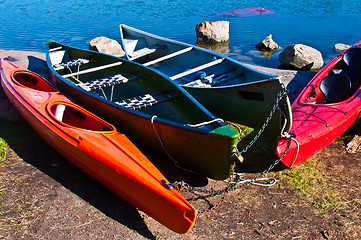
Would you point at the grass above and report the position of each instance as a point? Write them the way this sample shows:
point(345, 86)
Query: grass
point(20, 135)
point(310, 183)
point(3, 151)
point(3, 156)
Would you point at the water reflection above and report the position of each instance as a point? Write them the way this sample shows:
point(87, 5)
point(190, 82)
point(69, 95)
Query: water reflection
point(222, 48)
point(266, 53)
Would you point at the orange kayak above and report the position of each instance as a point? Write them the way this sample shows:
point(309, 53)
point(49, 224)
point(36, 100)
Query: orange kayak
point(96, 147)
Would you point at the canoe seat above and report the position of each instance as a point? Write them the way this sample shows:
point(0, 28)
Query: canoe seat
point(146, 100)
point(203, 81)
point(145, 51)
point(138, 48)
point(335, 87)
point(106, 82)
point(71, 63)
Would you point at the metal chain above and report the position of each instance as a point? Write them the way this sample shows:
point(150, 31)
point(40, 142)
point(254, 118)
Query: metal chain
point(280, 95)
point(232, 187)
point(186, 186)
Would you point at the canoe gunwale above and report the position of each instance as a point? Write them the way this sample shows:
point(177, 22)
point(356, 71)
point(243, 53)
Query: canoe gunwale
point(194, 48)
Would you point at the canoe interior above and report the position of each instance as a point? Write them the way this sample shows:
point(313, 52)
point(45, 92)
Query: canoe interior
point(175, 125)
point(136, 40)
point(226, 87)
point(172, 105)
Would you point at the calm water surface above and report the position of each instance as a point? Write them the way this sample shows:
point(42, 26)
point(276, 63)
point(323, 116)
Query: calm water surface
point(26, 25)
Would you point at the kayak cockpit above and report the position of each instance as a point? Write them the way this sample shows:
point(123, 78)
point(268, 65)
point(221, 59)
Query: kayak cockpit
point(31, 80)
point(341, 82)
point(77, 118)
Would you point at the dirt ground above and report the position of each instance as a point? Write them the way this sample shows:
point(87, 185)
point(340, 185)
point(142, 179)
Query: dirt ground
point(43, 196)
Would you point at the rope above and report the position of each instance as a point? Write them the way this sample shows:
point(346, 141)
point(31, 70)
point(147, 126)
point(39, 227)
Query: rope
point(298, 149)
point(206, 123)
point(272, 181)
point(165, 150)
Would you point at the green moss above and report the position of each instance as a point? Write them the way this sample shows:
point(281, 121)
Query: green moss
point(243, 130)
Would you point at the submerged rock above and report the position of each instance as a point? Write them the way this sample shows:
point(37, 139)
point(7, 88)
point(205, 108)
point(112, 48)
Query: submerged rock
point(213, 31)
point(340, 47)
point(106, 45)
point(301, 57)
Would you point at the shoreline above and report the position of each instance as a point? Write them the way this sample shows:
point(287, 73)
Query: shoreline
point(36, 62)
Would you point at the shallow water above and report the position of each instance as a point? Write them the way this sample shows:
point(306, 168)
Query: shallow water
point(27, 25)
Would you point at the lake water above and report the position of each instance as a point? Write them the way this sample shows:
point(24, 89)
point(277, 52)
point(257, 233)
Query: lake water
point(26, 25)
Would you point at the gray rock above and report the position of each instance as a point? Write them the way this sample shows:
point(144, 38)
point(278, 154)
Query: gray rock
point(213, 31)
point(340, 47)
point(301, 57)
point(106, 45)
point(267, 44)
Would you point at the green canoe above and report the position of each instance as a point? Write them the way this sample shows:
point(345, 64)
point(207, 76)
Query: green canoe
point(228, 88)
point(148, 107)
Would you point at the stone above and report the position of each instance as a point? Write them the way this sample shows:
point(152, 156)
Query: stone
point(267, 44)
point(213, 31)
point(300, 57)
point(106, 45)
point(340, 47)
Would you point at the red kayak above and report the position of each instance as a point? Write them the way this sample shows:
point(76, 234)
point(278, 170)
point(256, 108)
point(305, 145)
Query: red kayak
point(325, 109)
point(96, 147)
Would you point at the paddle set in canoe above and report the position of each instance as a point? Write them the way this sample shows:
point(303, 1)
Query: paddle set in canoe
point(96, 147)
point(325, 109)
point(150, 109)
point(226, 87)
